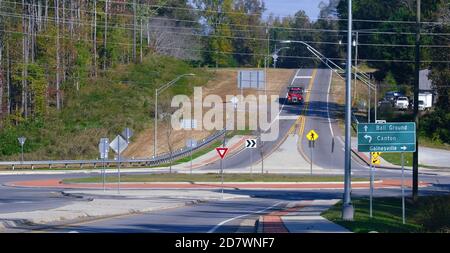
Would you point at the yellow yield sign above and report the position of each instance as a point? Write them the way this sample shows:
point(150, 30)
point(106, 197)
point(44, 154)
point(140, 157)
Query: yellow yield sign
point(375, 157)
point(312, 135)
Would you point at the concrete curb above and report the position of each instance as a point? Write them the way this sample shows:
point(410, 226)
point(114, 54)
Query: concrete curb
point(29, 224)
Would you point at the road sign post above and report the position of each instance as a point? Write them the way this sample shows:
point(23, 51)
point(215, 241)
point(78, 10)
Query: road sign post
point(403, 191)
point(222, 152)
point(119, 144)
point(399, 137)
point(312, 136)
point(251, 144)
point(371, 186)
point(21, 142)
point(191, 144)
point(103, 147)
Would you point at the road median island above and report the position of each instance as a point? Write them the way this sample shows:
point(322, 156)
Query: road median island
point(212, 178)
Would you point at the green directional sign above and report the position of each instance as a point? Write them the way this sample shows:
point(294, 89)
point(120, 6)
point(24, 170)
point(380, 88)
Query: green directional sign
point(387, 137)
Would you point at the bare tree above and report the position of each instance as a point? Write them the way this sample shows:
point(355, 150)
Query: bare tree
point(25, 50)
point(105, 35)
point(134, 30)
point(1, 73)
point(94, 39)
point(58, 78)
point(166, 38)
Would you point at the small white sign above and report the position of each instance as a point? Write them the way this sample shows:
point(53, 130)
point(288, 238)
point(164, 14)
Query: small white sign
point(22, 140)
point(189, 124)
point(103, 147)
point(127, 133)
point(191, 143)
point(119, 144)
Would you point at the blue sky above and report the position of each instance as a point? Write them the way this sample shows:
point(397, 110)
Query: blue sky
point(290, 7)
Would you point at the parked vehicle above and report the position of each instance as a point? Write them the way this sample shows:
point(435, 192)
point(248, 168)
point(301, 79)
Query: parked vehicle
point(294, 95)
point(392, 96)
point(402, 103)
point(383, 102)
point(421, 105)
point(427, 99)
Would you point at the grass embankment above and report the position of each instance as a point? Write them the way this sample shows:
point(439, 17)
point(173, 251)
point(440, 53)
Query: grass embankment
point(427, 214)
point(102, 107)
point(212, 177)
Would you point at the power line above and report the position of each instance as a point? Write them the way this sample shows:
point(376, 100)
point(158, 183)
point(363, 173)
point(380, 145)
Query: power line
point(250, 38)
point(289, 29)
point(229, 23)
point(238, 53)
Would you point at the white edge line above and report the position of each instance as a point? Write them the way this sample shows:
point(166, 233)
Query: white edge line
point(328, 104)
point(212, 230)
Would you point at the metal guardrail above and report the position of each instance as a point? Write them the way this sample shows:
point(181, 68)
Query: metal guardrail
point(161, 159)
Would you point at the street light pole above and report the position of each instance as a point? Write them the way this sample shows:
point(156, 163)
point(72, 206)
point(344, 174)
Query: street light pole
point(155, 128)
point(157, 92)
point(355, 43)
point(415, 170)
point(347, 210)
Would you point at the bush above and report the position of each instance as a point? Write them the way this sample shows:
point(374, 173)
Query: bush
point(436, 126)
point(434, 213)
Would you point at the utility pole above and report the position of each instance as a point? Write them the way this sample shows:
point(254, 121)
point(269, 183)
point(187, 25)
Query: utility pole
point(58, 78)
point(105, 35)
point(415, 171)
point(94, 38)
point(347, 208)
point(356, 63)
point(134, 31)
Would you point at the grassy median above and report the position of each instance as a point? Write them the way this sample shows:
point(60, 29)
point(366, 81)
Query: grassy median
point(212, 177)
point(427, 214)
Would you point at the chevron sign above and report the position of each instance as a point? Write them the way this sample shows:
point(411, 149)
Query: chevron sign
point(250, 143)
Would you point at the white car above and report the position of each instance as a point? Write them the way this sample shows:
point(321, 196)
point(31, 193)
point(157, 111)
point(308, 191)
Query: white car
point(402, 103)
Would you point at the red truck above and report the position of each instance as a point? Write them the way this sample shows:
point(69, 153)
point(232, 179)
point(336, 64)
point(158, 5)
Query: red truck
point(294, 95)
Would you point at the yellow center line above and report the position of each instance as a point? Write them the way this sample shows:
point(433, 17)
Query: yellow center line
point(303, 116)
point(305, 109)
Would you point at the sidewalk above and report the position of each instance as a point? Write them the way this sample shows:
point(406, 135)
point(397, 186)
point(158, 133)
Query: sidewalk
point(301, 217)
point(308, 219)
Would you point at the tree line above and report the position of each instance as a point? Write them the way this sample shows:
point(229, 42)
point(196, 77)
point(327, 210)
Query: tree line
point(50, 48)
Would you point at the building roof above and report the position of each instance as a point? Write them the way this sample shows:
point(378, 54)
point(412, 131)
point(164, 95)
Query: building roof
point(424, 82)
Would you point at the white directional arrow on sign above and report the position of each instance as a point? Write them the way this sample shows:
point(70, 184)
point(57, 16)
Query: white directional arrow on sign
point(365, 128)
point(403, 148)
point(368, 137)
